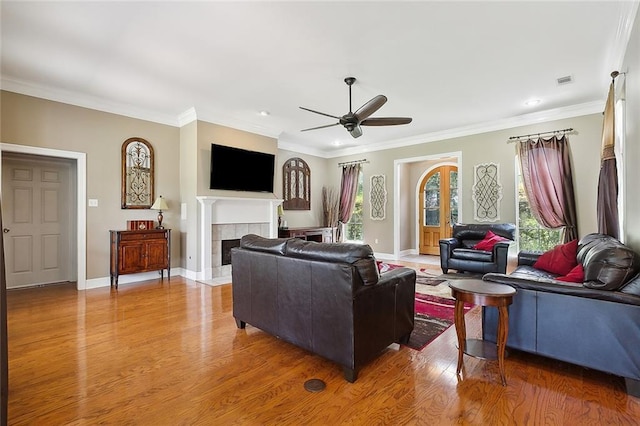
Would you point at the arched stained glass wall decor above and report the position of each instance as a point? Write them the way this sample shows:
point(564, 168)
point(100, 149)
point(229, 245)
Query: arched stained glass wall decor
point(296, 184)
point(137, 174)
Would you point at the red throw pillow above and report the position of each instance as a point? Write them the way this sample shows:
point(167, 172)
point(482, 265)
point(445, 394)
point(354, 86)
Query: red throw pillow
point(576, 275)
point(559, 260)
point(490, 240)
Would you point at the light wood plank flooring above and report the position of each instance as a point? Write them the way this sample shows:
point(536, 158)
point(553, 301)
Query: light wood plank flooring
point(169, 353)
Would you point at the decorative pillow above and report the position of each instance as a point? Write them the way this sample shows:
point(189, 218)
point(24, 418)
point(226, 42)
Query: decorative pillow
point(559, 260)
point(490, 240)
point(576, 275)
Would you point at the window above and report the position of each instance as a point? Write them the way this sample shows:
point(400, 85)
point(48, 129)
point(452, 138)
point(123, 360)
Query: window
point(354, 229)
point(531, 235)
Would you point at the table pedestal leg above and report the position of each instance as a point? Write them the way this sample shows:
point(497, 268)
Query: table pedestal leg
point(461, 331)
point(503, 331)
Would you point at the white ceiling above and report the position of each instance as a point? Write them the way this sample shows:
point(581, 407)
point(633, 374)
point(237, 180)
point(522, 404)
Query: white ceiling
point(455, 67)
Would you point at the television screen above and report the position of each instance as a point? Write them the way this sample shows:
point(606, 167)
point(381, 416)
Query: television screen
point(238, 169)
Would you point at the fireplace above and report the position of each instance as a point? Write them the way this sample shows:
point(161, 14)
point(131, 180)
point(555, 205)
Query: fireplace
point(228, 218)
point(227, 245)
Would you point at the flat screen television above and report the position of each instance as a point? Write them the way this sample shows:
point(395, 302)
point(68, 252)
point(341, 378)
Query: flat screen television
point(238, 169)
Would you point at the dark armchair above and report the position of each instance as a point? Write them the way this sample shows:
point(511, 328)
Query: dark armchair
point(458, 253)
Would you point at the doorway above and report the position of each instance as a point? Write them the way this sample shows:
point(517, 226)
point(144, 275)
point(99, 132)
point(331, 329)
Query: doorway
point(77, 203)
point(39, 228)
point(438, 201)
point(409, 173)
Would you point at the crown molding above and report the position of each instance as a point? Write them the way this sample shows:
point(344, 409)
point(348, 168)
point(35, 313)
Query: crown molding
point(286, 145)
point(86, 101)
point(491, 126)
point(623, 35)
point(187, 117)
point(284, 141)
point(223, 119)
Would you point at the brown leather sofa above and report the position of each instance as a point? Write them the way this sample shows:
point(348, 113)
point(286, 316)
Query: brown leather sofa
point(327, 298)
point(458, 253)
point(595, 324)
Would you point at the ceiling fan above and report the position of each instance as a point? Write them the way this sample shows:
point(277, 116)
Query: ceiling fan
point(352, 121)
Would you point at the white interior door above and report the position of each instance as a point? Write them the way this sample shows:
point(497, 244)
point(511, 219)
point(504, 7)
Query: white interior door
point(36, 220)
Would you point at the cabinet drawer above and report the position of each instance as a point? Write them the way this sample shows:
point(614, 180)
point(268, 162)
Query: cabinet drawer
point(138, 236)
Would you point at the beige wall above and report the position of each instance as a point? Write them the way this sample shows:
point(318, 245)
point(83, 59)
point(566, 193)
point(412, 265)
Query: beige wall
point(37, 122)
point(476, 149)
point(188, 192)
point(319, 174)
point(209, 133)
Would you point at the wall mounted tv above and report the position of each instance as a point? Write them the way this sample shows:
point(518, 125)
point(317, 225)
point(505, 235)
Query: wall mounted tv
point(238, 169)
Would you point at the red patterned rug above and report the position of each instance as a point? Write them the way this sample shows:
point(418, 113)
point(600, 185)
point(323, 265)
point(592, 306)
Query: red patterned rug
point(433, 316)
point(422, 275)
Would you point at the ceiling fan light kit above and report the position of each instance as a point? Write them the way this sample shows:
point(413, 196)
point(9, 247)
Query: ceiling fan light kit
point(352, 121)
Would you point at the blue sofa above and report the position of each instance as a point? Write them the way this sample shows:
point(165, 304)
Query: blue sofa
point(595, 324)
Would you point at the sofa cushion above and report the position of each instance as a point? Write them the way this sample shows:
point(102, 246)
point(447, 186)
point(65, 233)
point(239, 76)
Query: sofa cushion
point(576, 275)
point(358, 255)
point(471, 254)
point(632, 287)
point(608, 264)
point(490, 240)
point(477, 231)
point(267, 245)
point(559, 260)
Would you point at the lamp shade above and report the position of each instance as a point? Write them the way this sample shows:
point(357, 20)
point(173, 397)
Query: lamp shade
point(160, 204)
point(280, 211)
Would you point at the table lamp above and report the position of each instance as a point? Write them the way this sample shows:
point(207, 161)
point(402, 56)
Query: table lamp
point(280, 213)
point(160, 204)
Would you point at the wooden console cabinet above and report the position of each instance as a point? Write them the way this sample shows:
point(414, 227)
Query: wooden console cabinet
point(140, 251)
point(322, 235)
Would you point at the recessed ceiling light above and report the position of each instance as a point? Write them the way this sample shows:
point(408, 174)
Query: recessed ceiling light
point(337, 143)
point(532, 102)
point(264, 113)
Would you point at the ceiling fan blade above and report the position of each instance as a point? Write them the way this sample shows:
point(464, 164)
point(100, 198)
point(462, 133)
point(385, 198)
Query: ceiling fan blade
point(370, 107)
point(320, 127)
point(321, 113)
point(356, 132)
point(386, 121)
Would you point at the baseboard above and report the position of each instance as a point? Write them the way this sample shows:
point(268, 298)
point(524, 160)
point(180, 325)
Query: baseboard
point(130, 278)
point(384, 256)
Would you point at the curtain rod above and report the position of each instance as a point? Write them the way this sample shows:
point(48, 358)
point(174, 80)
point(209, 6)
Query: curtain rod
point(541, 133)
point(348, 163)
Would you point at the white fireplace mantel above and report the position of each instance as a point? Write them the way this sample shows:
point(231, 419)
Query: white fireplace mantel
point(223, 210)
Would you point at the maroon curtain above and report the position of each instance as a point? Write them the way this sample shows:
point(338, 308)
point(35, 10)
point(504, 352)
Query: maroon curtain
point(548, 183)
point(608, 222)
point(348, 190)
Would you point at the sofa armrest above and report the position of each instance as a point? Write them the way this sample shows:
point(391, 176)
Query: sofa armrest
point(450, 243)
point(447, 245)
point(501, 255)
point(528, 258)
point(405, 301)
point(397, 275)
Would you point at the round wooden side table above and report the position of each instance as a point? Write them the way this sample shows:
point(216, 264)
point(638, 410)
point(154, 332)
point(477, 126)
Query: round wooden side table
point(482, 293)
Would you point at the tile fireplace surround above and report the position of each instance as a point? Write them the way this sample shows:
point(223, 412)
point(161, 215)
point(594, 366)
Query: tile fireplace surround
point(226, 218)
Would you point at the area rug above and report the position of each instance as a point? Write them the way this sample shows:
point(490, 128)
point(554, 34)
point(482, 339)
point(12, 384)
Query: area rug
point(433, 316)
point(426, 281)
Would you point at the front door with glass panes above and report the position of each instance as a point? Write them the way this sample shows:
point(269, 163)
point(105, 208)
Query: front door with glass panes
point(438, 207)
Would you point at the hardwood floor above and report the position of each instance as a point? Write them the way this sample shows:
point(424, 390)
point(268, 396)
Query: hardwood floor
point(169, 353)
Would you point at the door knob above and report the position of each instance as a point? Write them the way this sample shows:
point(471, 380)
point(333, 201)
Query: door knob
point(6, 230)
